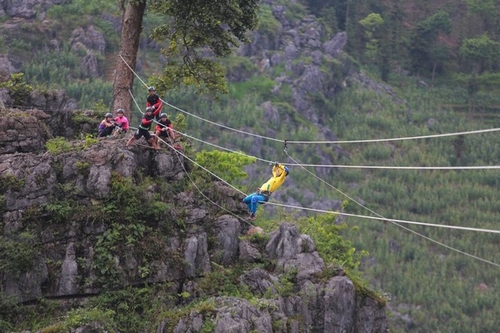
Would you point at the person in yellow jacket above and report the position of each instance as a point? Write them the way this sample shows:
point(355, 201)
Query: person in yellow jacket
point(280, 172)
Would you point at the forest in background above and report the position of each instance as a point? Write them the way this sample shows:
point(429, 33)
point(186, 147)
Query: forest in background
point(441, 58)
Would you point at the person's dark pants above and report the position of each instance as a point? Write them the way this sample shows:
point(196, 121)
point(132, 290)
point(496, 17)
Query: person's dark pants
point(105, 132)
point(142, 132)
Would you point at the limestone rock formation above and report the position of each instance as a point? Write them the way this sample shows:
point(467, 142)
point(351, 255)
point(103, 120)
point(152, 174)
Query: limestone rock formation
point(80, 243)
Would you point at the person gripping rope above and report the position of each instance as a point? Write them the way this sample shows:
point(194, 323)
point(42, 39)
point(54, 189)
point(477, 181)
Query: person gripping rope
point(143, 130)
point(122, 121)
point(164, 129)
point(280, 172)
point(106, 126)
point(155, 102)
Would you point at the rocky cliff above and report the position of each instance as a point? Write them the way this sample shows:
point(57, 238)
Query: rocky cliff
point(90, 216)
point(81, 218)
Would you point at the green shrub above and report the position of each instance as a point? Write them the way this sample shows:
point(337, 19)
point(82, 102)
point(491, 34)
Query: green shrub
point(82, 167)
point(228, 166)
point(268, 24)
point(89, 141)
point(83, 316)
point(10, 182)
point(18, 89)
point(58, 145)
point(330, 244)
point(17, 253)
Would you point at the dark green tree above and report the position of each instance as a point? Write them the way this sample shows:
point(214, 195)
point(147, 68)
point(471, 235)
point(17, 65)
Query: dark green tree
point(372, 24)
point(195, 34)
point(426, 50)
point(486, 12)
point(480, 54)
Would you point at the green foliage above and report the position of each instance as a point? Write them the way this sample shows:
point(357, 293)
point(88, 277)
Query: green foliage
point(84, 316)
point(223, 281)
point(256, 85)
point(286, 284)
point(60, 211)
point(80, 8)
point(228, 166)
point(10, 182)
point(405, 264)
point(18, 89)
point(484, 7)
point(295, 10)
point(82, 167)
point(371, 23)
point(129, 212)
point(213, 25)
point(9, 308)
point(89, 141)
point(117, 240)
point(268, 24)
point(330, 244)
point(132, 308)
point(425, 46)
point(482, 51)
point(205, 308)
point(58, 145)
point(17, 253)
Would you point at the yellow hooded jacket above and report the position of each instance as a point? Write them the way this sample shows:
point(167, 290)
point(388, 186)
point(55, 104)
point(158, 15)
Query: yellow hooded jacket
point(275, 181)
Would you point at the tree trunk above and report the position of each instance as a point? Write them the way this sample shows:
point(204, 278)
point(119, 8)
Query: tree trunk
point(434, 65)
point(129, 45)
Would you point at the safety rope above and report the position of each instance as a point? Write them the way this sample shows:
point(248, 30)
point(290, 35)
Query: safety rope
point(213, 174)
point(320, 141)
point(397, 222)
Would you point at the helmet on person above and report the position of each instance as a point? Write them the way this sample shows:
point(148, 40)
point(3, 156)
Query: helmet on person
point(108, 115)
point(149, 109)
point(151, 88)
point(163, 115)
point(287, 171)
point(120, 111)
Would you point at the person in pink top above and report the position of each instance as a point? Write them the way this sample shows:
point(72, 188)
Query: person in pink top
point(122, 121)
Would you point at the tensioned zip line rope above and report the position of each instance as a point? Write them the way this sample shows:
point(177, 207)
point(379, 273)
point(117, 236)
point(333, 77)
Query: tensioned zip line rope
point(205, 169)
point(396, 222)
point(303, 208)
point(482, 167)
point(314, 142)
point(346, 214)
point(318, 210)
point(341, 166)
point(310, 209)
point(381, 218)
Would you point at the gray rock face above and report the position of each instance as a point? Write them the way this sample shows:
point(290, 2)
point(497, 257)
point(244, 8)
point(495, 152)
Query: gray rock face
point(69, 250)
point(26, 134)
point(26, 8)
point(328, 306)
point(91, 42)
point(69, 272)
point(6, 66)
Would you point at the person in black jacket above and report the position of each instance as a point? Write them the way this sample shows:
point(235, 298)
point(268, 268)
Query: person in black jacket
point(143, 130)
point(155, 102)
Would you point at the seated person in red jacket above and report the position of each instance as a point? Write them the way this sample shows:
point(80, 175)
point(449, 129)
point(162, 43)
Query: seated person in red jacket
point(155, 102)
point(143, 130)
point(164, 129)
